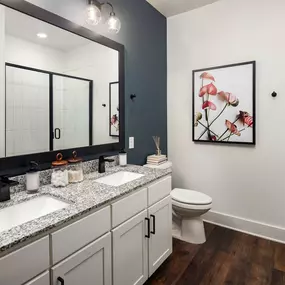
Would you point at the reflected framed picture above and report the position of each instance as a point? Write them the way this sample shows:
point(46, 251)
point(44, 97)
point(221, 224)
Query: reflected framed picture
point(114, 109)
point(224, 104)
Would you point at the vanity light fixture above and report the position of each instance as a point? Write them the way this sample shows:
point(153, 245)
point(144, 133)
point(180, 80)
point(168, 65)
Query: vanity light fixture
point(94, 16)
point(93, 12)
point(42, 35)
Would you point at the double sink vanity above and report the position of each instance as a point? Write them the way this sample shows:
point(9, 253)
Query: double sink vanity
point(113, 228)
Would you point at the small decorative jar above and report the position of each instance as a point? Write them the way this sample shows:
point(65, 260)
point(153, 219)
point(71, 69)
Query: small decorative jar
point(59, 176)
point(75, 169)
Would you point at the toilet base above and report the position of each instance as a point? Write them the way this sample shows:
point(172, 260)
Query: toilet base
point(190, 230)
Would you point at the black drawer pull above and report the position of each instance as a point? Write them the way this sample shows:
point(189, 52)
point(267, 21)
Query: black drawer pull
point(148, 228)
point(61, 280)
point(153, 224)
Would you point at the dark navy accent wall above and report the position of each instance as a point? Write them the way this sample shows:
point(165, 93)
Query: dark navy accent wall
point(144, 35)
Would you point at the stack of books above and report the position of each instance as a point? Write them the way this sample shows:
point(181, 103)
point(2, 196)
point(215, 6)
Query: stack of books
point(156, 159)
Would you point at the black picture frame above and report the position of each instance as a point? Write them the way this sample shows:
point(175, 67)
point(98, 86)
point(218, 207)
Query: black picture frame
point(110, 108)
point(253, 143)
point(18, 164)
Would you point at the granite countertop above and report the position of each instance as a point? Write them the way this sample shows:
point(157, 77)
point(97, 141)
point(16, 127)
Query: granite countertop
point(82, 197)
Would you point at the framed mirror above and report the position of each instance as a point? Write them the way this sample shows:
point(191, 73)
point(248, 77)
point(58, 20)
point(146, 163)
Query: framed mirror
point(64, 88)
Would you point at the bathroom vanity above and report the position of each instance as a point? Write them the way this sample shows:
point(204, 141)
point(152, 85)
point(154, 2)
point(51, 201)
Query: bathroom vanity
point(105, 235)
point(64, 93)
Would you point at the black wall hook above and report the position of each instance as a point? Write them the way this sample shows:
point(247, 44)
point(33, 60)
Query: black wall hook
point(104, 105)
point(133, 96)
point(274, 94)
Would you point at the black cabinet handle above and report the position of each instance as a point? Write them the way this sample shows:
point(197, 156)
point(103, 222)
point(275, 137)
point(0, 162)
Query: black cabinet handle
point(61, 280)
point(148, 228)
point(153, 224)
point(57, 133)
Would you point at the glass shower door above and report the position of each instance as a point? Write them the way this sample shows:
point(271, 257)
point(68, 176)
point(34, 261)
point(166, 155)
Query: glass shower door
point(71, 124)
point(27, 111)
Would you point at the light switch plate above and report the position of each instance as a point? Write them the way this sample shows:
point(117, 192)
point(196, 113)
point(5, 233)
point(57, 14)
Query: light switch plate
point(131, 142)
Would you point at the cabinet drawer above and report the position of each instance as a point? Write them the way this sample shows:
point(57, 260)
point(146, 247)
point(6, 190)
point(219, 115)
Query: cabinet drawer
point(159, 190)
point(40, 280)
point(129, 207)
point(25, 263)
point(75, 236)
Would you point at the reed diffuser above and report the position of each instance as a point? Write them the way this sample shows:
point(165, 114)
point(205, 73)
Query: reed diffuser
point(156, 140)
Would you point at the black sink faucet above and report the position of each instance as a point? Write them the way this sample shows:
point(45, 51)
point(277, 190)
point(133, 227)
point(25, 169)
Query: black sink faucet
point(102, 166)
point(5, 185)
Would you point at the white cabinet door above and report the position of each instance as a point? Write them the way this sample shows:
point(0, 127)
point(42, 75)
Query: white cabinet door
point(130, 251)
point(160, 242)
point(40, 280)
point(89, 266)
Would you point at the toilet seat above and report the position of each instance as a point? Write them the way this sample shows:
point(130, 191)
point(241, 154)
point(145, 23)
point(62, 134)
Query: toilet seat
point(190, 197)
point(191, 206)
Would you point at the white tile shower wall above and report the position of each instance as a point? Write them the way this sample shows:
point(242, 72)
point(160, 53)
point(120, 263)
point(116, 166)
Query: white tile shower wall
point(245, 182)
point(2, 82)
point(99, 64)
point(27, 111)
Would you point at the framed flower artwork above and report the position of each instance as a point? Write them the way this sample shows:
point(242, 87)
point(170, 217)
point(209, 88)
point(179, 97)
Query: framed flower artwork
point(224, 104)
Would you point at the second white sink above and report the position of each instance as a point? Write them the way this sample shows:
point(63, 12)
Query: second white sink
point(119, 178)
point(24, 212)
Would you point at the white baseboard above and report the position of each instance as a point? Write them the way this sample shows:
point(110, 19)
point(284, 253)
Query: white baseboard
point(255, 228)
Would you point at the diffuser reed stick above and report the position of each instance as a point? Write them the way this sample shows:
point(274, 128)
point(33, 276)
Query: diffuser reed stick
point(156, 140)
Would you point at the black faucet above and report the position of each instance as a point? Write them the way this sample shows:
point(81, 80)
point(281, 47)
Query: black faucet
point(102, 166)
point(5, 185)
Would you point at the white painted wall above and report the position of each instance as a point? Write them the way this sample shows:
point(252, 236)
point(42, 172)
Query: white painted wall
point(2, 81)
point(246, 183)
point(22, 52)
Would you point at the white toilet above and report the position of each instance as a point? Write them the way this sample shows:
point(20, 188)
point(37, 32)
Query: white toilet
point(188, 207)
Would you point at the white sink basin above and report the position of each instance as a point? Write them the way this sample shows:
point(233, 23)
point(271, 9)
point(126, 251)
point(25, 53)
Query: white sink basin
point(27, 211)
point(119, 178)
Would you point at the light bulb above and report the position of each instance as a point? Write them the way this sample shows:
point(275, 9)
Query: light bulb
point(93, 15)
point(42, 35)
point(114, 24)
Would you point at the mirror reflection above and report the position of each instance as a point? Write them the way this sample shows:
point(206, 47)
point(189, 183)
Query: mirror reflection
point(62, 90)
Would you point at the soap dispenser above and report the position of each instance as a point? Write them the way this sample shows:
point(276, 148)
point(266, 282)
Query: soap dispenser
point(33, 178)
point(123, 158)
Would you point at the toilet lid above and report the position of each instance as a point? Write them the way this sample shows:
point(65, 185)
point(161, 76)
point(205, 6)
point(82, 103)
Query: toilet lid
point(190, 197)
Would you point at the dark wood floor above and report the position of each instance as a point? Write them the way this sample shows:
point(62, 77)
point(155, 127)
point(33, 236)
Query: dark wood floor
point(228, 257)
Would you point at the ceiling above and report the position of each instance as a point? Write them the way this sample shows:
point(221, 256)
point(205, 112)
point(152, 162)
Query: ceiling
point(173, 7)
point(22, 26)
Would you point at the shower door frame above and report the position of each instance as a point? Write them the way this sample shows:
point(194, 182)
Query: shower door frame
point(51, 119)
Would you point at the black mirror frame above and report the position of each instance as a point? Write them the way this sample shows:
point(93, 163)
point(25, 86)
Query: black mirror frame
point(18, 164)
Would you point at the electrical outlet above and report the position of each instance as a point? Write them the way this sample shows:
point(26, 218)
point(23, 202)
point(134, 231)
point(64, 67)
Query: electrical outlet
point(131, 142)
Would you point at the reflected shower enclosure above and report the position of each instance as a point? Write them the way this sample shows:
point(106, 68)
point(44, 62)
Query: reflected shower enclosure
point(46, 111)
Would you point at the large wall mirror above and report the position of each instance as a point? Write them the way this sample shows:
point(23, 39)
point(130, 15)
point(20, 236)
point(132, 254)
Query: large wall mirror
point(63, 88)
